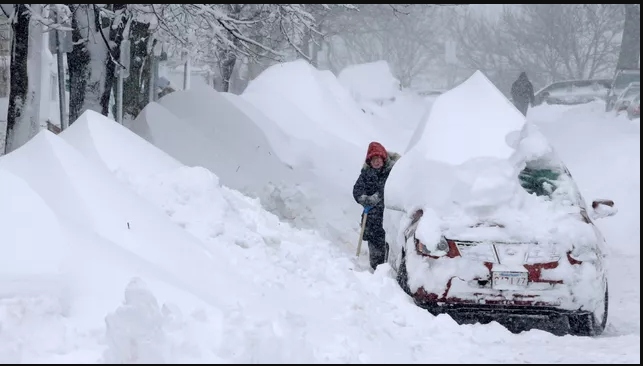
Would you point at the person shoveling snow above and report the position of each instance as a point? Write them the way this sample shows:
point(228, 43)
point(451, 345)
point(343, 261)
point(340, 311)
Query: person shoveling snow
point(369, 192)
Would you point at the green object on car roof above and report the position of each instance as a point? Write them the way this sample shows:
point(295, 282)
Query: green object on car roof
point(542, 182)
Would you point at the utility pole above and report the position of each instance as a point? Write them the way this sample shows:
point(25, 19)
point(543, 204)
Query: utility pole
point(60, 42)
point(186, 71)
point(64, 123)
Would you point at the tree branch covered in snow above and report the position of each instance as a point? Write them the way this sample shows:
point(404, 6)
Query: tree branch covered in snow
point(62, 12)
point(220, 34)
point(241, 28)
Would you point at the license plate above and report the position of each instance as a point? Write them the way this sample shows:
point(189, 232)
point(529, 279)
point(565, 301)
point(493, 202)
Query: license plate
point(509, 280)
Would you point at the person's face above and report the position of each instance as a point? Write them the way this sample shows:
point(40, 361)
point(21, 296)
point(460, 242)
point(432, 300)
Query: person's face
point(377, 162)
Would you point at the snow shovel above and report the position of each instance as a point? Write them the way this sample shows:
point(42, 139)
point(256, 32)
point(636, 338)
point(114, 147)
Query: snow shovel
point(361, 233)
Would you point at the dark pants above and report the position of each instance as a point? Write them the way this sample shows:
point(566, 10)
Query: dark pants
point(376, 237)
point(522, 106)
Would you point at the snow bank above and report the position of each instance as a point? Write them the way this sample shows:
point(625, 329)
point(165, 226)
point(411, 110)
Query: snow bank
point(293, 193)
point(205, 275)
point(95, 135)
point(245, 158)
point(370, 81)
point(318, 95)
point(203, 128)
point(21, 208)
point(289, 150)
point(319, 114)
point(306, 179)
point(87, 196)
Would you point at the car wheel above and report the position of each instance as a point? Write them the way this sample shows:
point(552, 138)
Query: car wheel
point(403, 276)
point(590, 324)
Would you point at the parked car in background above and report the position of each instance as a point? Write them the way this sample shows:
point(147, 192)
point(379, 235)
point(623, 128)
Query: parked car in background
point(430, 94)
point(622, 79)
point(634, 109)
point(626, 97)
point(572, 92)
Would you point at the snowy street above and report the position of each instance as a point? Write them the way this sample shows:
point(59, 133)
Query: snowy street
point(320, 183)
point(222, 280)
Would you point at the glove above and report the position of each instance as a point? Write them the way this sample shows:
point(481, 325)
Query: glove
point(371, 200)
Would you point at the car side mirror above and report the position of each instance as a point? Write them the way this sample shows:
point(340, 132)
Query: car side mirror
point(603, 208)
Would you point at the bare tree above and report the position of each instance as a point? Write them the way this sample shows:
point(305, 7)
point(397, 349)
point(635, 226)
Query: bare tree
point(19, 78)
point(550, 42)
point(405, 36)
point(227, 32)
point(23, 116)
point(81, 80)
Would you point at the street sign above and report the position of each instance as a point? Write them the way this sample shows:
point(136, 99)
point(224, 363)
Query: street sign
point(65, 36)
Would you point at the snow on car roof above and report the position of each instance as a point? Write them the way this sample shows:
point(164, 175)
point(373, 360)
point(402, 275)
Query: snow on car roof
point(464, 163)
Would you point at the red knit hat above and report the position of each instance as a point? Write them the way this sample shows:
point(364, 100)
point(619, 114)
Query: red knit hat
point(376, 149)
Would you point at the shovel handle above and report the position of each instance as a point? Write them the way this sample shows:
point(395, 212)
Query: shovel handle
point(361, 233)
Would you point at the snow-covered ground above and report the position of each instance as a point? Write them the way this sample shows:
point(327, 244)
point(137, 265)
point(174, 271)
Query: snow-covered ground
point(114, 251)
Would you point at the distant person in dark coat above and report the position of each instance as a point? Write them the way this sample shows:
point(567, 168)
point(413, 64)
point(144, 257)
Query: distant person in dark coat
point(522, 93)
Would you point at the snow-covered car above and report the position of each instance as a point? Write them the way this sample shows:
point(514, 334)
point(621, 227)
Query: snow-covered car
point(622, 78)
point(495, 227)
point(572, 92)
point(634, 109)
point(519, 283)
point(627, 95)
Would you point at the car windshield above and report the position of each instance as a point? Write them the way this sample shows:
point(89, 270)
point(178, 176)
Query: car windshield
point(625, 78)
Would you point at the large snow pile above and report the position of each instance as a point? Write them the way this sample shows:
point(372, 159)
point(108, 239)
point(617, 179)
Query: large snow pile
point(371, 81)
point(377, 92)
point(114, 252)
point(225, 134)
point(328, 127)
point(200, 127)
point(318, 95)
point(450, 137)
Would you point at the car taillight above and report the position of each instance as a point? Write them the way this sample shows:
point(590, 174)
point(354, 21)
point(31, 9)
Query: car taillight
point(573, 260)
point(442, 248)
point(417, 215)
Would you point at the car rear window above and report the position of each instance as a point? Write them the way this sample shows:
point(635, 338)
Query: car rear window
point(542, 182)
point(625, 78)
point(632, 92)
